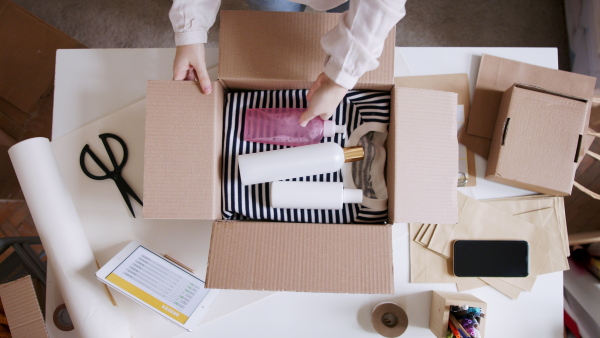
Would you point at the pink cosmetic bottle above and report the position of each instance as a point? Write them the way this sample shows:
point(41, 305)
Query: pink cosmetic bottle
point(281, 126)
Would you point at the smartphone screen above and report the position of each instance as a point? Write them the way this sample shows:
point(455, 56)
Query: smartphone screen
point(497, 258)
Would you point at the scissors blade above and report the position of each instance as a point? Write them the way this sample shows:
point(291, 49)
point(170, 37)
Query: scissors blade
point(126, 191)
point(126, 198)
point(132, 193)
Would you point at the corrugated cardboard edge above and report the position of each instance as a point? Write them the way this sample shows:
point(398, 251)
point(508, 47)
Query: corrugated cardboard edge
point(292, 52)
point(306, 257)
point(494, 151)
point(422, 150)
point(183, 146)
point(23, 312)
point(545, 91)
point(440, 310)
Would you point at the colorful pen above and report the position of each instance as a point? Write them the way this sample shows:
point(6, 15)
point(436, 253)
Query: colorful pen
point(459, 327)
point(474, 310)
point(454, 330)
point(460, 314)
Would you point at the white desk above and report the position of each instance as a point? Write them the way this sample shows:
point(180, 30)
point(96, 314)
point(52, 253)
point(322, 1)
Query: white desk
point(94, 83)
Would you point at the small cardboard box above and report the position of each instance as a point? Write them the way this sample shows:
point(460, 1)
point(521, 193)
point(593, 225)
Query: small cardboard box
point(440, 310)
point(495, 76)
point(22, 309)
point(182, 162)
point(537, 141)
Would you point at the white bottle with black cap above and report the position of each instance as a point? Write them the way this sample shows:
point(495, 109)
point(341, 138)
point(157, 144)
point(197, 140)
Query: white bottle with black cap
point(312, 195)
point(314, 159)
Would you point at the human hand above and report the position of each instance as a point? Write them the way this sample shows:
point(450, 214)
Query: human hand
point(323, 97)
point(190, 64)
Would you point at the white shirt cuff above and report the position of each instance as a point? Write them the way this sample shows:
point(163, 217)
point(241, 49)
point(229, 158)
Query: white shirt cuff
point(339, 76)
point(190, 38)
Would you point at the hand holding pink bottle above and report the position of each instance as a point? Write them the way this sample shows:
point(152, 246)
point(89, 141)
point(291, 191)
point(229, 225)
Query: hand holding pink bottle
point(281, 126)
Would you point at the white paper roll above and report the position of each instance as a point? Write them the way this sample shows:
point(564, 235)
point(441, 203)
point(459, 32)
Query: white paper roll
point(64, 241)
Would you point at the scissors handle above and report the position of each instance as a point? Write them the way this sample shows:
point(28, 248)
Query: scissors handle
point(112, 174)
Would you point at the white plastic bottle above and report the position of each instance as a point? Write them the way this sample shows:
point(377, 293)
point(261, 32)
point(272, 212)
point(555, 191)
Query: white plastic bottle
point(312, 195)
point(294, 162)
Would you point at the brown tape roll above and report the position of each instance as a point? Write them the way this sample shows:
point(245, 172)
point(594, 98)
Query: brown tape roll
point(61, 318)
point(389, 319)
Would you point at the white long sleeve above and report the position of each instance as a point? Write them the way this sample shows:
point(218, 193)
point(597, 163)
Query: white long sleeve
point(191, 20)
point(353, 46)
point(356, 43)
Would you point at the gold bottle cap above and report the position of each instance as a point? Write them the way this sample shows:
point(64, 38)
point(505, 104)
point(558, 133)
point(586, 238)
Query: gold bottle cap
point(352, 154)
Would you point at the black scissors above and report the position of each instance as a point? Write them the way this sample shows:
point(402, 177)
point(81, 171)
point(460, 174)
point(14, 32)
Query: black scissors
point(114, 174)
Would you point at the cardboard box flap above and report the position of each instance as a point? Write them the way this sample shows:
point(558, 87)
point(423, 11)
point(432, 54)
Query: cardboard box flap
point(456, 83)
point(422, 157)
point(22, 309)
point(283, 46)
point(182, 156)
point(497, 74)
point(28, 55)
point(347, 258)
point(545, 91)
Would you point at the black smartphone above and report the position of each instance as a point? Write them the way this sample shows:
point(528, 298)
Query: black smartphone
point(498, 258)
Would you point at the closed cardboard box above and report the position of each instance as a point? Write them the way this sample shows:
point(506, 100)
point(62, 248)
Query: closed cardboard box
point(20, 302)
point(495, 76)
point(537, 140)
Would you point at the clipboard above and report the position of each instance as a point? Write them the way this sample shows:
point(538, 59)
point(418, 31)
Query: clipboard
point(457, 83)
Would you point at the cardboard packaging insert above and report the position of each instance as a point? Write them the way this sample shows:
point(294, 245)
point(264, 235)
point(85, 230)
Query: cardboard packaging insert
point(537, 140)
point(182, 166)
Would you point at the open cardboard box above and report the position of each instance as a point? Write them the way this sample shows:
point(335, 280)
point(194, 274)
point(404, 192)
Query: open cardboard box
point(440, 310)
point(182, 168)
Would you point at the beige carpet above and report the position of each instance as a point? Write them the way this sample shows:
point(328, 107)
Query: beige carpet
point(506, 23)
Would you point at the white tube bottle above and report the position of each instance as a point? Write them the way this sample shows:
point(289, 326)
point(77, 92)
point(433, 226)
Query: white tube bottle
point(294, 162)
point(312, 195)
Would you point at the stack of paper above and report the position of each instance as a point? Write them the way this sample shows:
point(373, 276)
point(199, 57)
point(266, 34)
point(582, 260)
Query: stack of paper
point(539, 220)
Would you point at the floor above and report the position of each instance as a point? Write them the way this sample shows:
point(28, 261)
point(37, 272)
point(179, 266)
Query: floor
point(459, 23)
point(122, 24)
point(15, 219)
